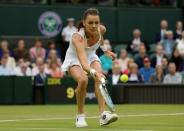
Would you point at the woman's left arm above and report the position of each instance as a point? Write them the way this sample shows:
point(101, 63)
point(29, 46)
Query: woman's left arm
point(103, 46)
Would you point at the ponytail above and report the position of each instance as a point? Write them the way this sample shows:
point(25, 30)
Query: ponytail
point(80, 25)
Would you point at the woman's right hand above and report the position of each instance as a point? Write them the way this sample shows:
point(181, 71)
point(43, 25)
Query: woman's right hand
point(99, 76)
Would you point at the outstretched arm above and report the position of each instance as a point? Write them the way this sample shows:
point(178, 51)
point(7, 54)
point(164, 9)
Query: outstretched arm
point(79, 44)
point(103, 46)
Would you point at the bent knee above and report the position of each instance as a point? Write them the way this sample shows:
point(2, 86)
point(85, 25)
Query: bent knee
point(83, 81)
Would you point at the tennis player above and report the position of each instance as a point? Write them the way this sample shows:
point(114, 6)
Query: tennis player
point(81, 58)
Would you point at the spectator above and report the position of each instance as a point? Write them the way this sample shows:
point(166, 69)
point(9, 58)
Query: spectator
point(51, 46)
point(136, 42)
point(67, 34)
point(126, 71)
point(106, 60)
point(40, 78)
point(157, 58)
point(20, 61)
point(35, 69)
point(147, 70)
point(173, 77)
point(21, 51)
point(158, 76)
point(123, 60)
point(55, 70)
point(134, 76)
point(37, 51)
point(179, 30)
point(180, 45)
point(23, 70)
point(4, 69)
point(39, 83)
point(4, 48)
point(139, 57)
point(59, 62)
point(100, 51)
point(52, 56)
point(177, 59)
point(169, 43)
point(10, 60)
point(163, 29)
point(165, 62)
point(116, 73)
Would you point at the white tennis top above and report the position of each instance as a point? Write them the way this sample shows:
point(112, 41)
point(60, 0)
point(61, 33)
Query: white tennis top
point(71, 57)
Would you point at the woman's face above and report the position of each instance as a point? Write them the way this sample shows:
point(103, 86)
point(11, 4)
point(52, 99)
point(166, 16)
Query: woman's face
point(54, 65)
point(123, 54)
point(52, 54)
point(164, 62)
point(91, 23)
point(179, 25)
point(21, 44)
point(116, 70)
point(41, 67)
point(134, 70)
point(38, 44)
point(52, 46)
point(4, 45)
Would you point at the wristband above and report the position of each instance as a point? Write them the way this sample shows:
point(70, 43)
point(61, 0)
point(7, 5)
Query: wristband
point(92, 72)
point(102, 80)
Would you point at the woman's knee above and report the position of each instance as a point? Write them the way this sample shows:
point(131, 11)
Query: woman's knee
point(83, 82)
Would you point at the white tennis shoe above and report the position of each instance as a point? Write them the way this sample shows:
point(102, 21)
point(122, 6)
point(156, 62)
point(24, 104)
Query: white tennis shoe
point(81, 121)
point(107, 117)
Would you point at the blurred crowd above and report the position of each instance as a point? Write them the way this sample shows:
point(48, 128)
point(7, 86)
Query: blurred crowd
point(139, 3)
point(161, 62)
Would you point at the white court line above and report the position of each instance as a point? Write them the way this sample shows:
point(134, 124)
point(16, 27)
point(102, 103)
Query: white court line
point(92, 117)
point(85, 129)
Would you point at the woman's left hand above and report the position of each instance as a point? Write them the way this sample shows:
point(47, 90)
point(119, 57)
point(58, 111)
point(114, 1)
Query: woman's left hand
point(111, 54)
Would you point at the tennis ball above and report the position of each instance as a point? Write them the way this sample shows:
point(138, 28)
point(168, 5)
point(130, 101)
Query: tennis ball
point(124, 78)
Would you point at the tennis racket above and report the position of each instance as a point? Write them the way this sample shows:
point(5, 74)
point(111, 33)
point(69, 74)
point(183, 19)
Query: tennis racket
point(106, 96)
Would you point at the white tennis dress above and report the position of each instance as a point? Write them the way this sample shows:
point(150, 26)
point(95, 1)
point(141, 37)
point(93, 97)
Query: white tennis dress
point(71, 57)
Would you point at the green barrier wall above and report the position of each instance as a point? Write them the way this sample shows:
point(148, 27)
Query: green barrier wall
point(18, 90)
point(23, 20)
point(148, 93)
point(6, 90)
point(64, 93)
point(23, 90)
point(15, 90)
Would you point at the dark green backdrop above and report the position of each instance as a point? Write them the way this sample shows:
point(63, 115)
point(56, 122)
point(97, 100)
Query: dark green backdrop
point(23, 20)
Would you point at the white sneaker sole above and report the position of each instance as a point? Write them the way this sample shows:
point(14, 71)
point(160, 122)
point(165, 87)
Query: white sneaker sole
point(80, 126)
point(113, 119)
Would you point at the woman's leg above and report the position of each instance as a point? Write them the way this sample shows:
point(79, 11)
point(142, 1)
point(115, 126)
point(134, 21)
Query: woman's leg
point(106, 117)
point(79, 75)
point(97, 66)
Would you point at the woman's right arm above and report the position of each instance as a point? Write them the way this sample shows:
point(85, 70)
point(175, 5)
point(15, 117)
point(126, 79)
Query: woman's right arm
point(79, 44)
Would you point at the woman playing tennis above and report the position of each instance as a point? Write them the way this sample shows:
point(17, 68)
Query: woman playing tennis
point(81, 58)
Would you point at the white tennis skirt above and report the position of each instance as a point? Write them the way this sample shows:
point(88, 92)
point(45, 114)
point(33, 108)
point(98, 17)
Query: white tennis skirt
point(71, 60)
